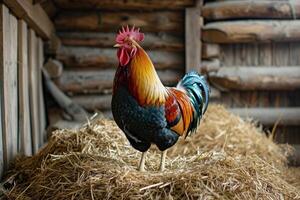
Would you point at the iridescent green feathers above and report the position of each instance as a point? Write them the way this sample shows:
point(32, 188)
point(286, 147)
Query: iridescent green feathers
point(198, 91)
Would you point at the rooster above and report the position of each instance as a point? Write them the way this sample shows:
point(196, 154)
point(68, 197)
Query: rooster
point(147, 111)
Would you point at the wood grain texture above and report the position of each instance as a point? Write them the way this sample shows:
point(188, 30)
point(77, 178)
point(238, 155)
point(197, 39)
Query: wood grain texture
point(192, 42)
point(160, 41)
point(95, 81)
point(238, 9)
point(34, 90)
point(105, 21)
point(257, 78)
point(24, 107)
point(252, 31)
point(210, 51)
point(74, 110)
point(34, 15)
point(270, 116)
point(42, 110)
point(124, 4)
point(83, 57)
point(9, 78)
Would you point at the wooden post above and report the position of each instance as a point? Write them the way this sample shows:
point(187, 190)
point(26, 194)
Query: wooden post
point(9, 79)
point(24, 110)
point(192, 35)
point(42, 111)
point(34, 90)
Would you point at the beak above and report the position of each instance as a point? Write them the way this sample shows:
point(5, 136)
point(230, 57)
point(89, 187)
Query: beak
point(117, 45)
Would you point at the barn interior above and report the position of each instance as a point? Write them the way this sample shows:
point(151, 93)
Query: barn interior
point(62, 72)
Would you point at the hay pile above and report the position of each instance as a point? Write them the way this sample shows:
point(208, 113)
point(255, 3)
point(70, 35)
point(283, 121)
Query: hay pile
point(228, 158)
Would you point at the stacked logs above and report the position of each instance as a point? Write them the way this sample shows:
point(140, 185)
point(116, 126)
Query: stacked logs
point(268, 29)
point(87, 37)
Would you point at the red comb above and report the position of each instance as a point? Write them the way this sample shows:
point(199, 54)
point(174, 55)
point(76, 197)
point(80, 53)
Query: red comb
point(132, 33)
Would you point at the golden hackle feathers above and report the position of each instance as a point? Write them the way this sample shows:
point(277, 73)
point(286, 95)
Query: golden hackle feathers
point(144, 82)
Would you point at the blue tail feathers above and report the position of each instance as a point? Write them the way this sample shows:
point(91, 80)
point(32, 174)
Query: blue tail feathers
point(198, 91)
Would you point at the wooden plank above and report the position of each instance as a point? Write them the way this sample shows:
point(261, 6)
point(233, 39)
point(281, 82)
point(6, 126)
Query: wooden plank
point(9, 78)
point(252, 31)
point(24, 110)
point(265, 54)
point(95, 81)
point(294, 53)
point(227, 54)
point(192, 41)
point(83, 57)
point(34, 15)
point(125, 5)
point(239, 9)
point(74, 110)
point(1, 114)
point(270, 116)
point(34, 90)
point(93, 102)
point(42, 111)
point(104, 21)
point(162, 41)
point(210, 50)
point(208, 66)
point(280, 52)
point(102, 102)
point(257, 78)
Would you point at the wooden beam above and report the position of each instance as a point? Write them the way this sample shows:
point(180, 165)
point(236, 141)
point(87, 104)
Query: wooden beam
point(251, 31)
point(267, 9)
point(208, 66)
point(73, 109)
point(124, 5)
point(102, 102)
point(54, 68)
point(42, 108)
point(101, 81)
point(104, 21)
point(192, 42)
point(161, 41)
point(210, 51)
point(257, 78)
point(34, 89)
point(34, 15)
point(9, 83)
point(270, 116)
point(93, 102)
point(24, 107)
point(82, 57)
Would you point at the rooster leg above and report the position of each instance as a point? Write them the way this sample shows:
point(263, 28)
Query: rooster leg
point(142, 162)
point(163, 160)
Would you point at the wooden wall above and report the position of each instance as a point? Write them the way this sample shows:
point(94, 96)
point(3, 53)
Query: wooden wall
point(249, 51)
point(89, 59)
point(252, 57)
point(22, 111)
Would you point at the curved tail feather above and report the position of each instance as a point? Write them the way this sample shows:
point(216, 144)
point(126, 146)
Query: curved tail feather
point(198, 91)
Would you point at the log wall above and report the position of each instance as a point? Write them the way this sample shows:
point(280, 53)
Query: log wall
point(256, 44)
point(87, 55)
point(249, 50)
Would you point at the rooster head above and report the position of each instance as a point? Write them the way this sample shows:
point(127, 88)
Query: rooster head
point(127, 42)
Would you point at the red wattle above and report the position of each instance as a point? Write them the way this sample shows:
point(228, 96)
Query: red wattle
point(123, 56)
